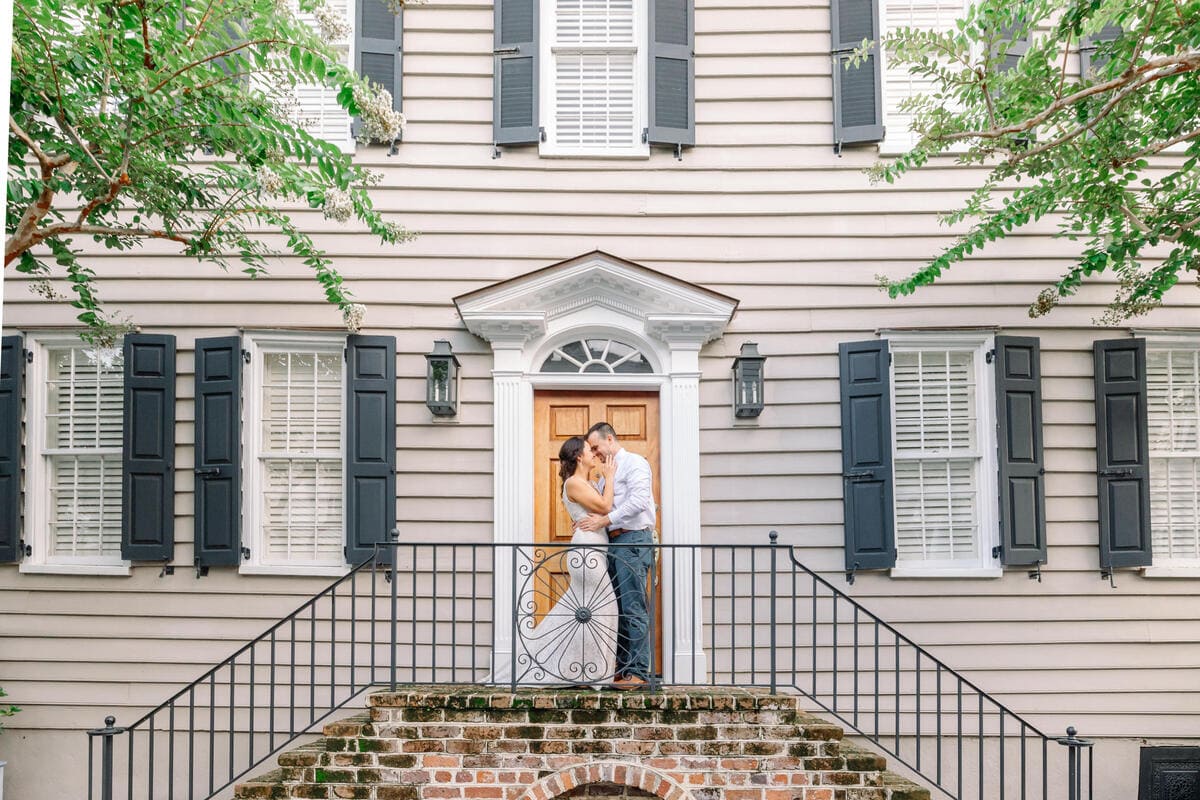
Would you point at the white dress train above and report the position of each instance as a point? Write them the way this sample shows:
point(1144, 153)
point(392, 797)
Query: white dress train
point(575, 643)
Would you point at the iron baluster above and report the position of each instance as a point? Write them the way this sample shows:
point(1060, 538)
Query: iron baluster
point(854, 708)
point(774, 536)
point(833, 606)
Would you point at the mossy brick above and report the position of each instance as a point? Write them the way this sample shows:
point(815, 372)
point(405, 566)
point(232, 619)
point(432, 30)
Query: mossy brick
point(424, 715)
point(865, 762)
point(261, 791)
point(311, 792)
point(676, 702)
point(678, 718)
point(549, 716)
point(841, 778)
point(908, 792)
point(673, 748)
point(351, 792)
point(822, 732)
point(465, 746)
point(592, 748)
point(427, 746)
point(368, 776)
point(588, 716)
point(478, 701)
point(822, 764)
point(466, 715)
point(397, 760)
point(376, 745)
point(299, 758)
point(612, 732)
point(397, 793)
point(861, 793)
point(772, 748)
point(338, 745)
point(350, 759)
point(525, 732)
point(610, 701)
point(508, 715)
point(551, 747)
point(522, 701)
point(710, 748)
point(697, 733)
point(323, 775)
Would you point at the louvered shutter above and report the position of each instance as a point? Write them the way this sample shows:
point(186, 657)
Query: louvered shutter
point(672, 101)
point(515, 81)
point(1088, 60)
point(857, 95)
point(218, 490)
point(370, 444)
point(377, 48)
point(1022, 474)
point(867, 455)
point(1122, 457)
point(12, 367)
point(148, 449)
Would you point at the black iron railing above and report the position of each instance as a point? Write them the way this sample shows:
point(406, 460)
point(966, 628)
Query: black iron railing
point(504, 614)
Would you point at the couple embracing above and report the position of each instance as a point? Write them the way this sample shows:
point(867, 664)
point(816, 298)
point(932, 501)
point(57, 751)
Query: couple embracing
point(617, 510)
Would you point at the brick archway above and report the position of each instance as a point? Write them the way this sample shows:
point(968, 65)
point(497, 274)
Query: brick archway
point(618, 772)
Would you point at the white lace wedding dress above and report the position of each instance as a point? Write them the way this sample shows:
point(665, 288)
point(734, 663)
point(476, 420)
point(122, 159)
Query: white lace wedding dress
point(575, 643)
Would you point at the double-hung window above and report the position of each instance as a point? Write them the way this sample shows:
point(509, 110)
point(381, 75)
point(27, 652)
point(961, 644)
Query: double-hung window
point(943, 449)
point(74, 460)
point(594, 77)
point(294, 463)
point(1173, 411)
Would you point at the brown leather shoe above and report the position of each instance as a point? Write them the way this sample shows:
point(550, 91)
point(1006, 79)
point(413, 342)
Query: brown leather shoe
point(629, 683)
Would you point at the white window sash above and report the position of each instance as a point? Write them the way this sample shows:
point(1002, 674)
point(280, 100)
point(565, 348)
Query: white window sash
point(983, 563)
point(38, 531)
point(255, 455)
point(548, 81)
point(1164, 490)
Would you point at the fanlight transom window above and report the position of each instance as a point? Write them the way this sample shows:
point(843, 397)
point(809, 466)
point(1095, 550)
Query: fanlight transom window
point(604, 356)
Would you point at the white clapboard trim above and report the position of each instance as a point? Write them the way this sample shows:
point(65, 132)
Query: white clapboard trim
point(898, 83)
point(937, 455)
point(1173, 408)
point(296, 443)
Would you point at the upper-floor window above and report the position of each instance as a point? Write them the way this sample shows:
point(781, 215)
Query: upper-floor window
point(74, 425)
point(294, 437)
point(1173, 411)
point(593, 86)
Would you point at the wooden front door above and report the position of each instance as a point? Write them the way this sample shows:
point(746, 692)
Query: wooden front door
point(557, 416)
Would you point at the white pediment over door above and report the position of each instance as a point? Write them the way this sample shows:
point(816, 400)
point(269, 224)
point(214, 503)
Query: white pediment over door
point(600, 286)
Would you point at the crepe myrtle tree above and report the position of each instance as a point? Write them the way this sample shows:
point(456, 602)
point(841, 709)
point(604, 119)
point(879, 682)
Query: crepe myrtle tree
point(176, 120)
point(1111, 155)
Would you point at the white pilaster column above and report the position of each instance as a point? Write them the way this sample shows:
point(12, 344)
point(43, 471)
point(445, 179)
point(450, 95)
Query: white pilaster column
point(682, 452)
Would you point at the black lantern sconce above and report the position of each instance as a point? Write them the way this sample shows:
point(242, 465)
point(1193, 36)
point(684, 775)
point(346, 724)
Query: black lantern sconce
point(748, 382)
point(441, 380)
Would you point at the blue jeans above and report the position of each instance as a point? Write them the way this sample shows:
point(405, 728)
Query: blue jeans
point(628, 567)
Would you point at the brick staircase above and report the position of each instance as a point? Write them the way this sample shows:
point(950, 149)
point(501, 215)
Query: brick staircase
point(470, 743)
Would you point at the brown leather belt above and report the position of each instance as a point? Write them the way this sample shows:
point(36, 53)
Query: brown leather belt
point(618, 531)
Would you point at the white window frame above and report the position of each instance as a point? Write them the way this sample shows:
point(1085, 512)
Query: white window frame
point(1162, 568)
point(985, 565)
point(898, 139)
point(37, 476)
point(547, 83)
point(257, 344)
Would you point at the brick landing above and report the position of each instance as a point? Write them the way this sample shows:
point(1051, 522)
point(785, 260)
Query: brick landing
point(469, 743)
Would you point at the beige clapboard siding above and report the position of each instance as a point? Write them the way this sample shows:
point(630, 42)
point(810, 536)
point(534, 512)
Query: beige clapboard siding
point(760, 210)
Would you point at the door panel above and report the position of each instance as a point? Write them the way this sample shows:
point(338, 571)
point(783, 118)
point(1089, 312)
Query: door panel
point(557, 417)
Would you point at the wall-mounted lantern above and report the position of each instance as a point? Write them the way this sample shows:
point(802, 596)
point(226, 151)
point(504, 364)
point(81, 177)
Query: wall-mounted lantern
point(441, 380)
point(748, 382)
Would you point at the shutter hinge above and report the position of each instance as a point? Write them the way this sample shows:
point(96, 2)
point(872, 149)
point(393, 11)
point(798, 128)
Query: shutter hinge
point(495, 151)
point(645, 135)
point(990, 356)
point(25, 549)
point(201, 569)
point(997, 551)
point(245, 553)
point(837, 148)
point(345, 354)
point(850, 573)
point(245, 356)
point(1109, 574)
point(167, 569)
point(1035, 574)
point(28, 356)
point(541, 133)
point(679, 152)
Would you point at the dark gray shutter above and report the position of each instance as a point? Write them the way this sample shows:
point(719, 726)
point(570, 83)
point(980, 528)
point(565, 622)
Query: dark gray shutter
point(377, 49)
point(672, 100)
point(1088, 60)
point(1022, 473)
point(148, 485)
point(1122, 461)
point(218, 492)
point(1017, 46)
point(515, 82)
point(12, 368)
point(370, 444)
point(857, 91)
point(867, 455)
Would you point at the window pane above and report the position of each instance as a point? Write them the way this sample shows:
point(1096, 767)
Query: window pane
point(594, 100)
point(935, 510)
point(1173, 410)
point(935, 401)
point(302, 403)
point(594, 22)
point(598, 356)
point(85, 505)
point(84, 400)
point(302, 510)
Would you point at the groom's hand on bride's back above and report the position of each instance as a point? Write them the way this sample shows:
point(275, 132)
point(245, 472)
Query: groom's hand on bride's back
point(593, 522)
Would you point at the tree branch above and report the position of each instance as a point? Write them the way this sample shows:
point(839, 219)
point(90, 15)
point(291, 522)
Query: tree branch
point(222, 54)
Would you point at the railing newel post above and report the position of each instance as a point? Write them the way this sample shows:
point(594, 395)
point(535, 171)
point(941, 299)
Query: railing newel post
point(107, 733)
point(1075, 747)
point(394, 535)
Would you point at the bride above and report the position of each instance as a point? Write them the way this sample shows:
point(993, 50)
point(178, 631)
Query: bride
point(576, 642)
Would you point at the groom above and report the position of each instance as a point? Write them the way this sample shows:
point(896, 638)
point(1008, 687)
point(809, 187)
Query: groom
point(630, 523)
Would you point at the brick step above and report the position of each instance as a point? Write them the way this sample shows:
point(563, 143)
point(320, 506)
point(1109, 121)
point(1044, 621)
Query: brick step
point(469, 743)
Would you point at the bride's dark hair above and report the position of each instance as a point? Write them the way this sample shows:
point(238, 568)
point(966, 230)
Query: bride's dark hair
point(568, 456)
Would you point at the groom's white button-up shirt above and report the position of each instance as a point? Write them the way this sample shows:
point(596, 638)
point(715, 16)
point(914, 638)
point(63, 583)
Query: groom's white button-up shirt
point(633, 493)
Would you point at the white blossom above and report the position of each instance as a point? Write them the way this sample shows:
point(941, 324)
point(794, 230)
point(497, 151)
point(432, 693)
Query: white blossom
point(353, 315)
point(269, 182)
point(380, 122)
point(333, 26)
point(337, 205)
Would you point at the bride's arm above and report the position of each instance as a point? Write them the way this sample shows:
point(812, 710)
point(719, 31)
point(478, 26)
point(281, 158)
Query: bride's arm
point(582, 492)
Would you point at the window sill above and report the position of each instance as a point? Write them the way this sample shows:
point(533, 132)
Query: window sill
point(954, 572)
point(294, 570)
point(1171, 572)
point(121, 570)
